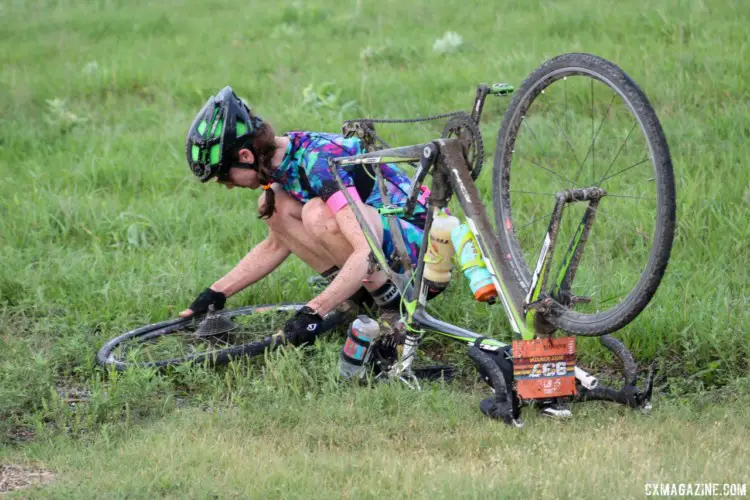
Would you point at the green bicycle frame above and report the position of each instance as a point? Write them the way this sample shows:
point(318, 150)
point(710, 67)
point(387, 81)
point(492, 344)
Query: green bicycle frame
point(449, 171)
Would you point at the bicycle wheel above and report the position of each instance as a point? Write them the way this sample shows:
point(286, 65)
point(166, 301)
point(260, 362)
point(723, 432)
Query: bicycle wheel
point(182, 340)
point(579, 121)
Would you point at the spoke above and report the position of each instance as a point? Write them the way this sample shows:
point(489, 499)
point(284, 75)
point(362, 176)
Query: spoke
point(617, 155)
point(549, 170)
point(525, 122)
point(257, 333)
point(617, 221)
point(593, 139)
point(218, 340)
point(557, 122)
point(545, 216)
point(625, 169)
point(631, 197)
point(531, 192)
point(182, 333)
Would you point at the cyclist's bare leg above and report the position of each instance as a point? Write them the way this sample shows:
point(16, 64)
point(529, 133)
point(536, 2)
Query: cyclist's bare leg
point(320, 222)
point(286, 224)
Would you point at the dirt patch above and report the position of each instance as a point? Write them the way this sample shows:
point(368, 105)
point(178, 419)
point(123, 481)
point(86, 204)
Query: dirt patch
point(16, 477)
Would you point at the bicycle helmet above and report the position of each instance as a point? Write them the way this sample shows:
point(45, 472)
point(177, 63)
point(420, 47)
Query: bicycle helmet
point(224, 122)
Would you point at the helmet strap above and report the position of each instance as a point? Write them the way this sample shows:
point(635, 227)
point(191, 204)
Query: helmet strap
point(246, 166)
point(251, 166)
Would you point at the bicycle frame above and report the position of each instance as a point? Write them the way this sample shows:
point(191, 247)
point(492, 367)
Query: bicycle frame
point(526, 306)
point(451, 172)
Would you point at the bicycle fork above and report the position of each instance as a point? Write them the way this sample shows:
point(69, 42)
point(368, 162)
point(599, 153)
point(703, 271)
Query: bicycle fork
point(537, 300)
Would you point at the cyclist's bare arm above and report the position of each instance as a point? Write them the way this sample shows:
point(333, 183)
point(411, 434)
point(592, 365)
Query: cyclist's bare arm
point(257, 264)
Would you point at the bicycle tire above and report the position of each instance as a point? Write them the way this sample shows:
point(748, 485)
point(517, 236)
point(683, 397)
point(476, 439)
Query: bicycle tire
point(106, 355)
point(579, 64)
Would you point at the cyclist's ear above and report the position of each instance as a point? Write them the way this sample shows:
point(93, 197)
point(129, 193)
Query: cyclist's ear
point(246, 156)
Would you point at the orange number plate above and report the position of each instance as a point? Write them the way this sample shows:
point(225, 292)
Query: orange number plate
point(545, 368)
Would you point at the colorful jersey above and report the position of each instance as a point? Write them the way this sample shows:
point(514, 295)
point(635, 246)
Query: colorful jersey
point(412, 236)
point(304, 172)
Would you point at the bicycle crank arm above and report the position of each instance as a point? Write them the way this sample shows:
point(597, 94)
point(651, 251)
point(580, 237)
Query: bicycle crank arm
point(483, 90)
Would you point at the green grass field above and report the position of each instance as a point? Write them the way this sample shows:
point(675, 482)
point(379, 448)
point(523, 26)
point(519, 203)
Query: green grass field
point(103, 228)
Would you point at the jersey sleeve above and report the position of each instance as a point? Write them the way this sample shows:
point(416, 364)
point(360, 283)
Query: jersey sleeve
point(323, 182)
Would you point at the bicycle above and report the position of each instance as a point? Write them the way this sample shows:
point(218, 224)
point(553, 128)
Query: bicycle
point(532, 185)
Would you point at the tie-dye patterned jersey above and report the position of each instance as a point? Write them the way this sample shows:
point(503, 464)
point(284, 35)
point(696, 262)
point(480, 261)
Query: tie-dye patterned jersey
point(304, 171)
point(304, 175)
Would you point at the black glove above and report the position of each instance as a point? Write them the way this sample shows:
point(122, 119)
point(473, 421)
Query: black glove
point(207, 298)
point(303, 327)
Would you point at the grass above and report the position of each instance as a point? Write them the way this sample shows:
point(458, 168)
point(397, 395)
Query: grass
point(273, 440)
point(102, 228)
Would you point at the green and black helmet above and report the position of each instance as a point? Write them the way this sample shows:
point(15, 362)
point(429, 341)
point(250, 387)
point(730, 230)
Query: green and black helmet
point(224, 122)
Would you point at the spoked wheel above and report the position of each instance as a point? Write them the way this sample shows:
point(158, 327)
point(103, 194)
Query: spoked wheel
point(577, 122)
point(215, 338)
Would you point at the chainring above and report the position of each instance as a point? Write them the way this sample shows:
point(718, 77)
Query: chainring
point(467, 132)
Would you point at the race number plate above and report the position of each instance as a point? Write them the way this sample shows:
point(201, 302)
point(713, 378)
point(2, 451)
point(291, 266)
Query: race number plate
point(545, 368)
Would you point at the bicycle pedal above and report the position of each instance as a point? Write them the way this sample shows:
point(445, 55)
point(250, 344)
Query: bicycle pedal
point(501, 89)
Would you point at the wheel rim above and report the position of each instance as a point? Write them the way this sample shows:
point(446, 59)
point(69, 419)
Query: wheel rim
point(177, 342)
point(563, 141)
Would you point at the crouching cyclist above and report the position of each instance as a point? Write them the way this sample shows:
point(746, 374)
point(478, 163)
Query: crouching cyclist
point(303, 208)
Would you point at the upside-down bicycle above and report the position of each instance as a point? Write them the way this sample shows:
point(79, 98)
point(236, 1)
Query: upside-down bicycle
point(580, 158)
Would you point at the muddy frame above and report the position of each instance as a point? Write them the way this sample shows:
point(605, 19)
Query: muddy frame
point(445, 161)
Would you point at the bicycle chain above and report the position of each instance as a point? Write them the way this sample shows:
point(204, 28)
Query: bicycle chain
point(467, 131)
point(365, 121)
point(459, 124)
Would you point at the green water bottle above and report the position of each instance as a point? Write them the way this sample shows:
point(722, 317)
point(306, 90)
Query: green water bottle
point(472, 265)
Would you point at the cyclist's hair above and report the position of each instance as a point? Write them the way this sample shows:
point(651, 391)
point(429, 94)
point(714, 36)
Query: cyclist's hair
point(263, 146)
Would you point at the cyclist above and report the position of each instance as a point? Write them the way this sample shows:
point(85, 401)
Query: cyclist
point(305, 211)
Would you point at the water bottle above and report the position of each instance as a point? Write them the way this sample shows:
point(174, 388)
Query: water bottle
point(472, 264)
point(439, 253)
point(356, 350)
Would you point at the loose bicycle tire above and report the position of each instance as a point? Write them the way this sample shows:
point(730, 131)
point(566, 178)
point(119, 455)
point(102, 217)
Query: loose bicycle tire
point(106, 357)
point(577, 64)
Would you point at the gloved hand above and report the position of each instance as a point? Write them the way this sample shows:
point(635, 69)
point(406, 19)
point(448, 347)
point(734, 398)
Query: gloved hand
point(206, 298)
point(303, 327)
